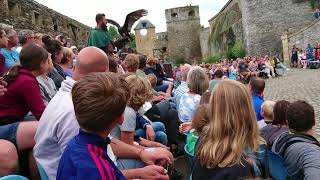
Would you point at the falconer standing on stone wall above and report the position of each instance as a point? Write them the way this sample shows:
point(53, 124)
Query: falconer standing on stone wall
point(99, 36)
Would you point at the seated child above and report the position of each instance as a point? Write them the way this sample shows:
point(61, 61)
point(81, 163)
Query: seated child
point(278, 125)
point(47, 87)
point(140, 92)
point(299, 148)
point(157, 96)
point(266, 113)
point(98, 110)
point(199, 120)
point(153, 81)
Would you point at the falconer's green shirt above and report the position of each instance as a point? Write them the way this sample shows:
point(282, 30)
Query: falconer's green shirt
point(99, 38)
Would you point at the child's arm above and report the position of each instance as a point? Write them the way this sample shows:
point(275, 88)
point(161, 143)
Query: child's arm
point(127, 137)
point(185, 127)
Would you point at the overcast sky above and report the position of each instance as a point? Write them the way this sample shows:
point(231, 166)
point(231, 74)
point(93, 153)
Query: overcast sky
point(84, 11)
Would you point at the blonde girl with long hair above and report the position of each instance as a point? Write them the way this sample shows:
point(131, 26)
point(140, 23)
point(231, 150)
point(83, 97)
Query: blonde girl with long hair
point(232, 131)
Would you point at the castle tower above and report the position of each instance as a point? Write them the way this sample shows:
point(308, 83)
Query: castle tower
point(145, 37)
point(183, 29)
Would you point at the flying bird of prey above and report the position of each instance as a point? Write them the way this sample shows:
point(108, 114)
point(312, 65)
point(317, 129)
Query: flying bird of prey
point(131, 18)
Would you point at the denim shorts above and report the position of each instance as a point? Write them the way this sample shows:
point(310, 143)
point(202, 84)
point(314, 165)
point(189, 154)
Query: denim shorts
point(9, 132)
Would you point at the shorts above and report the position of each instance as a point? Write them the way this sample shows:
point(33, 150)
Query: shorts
point(9, 132)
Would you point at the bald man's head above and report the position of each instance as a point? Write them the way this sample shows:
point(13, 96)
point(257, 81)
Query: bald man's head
point(90, 59)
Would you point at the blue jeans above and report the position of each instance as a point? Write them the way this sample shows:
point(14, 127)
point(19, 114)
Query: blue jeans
point(159, 130)
point(123, 164)
point(162, 88)
point(280, 65)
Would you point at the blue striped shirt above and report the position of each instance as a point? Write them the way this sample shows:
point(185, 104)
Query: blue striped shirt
point(182, 88)
point(86, 158)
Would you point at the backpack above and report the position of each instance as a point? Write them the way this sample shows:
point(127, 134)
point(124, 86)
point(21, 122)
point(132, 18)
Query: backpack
point(274, 163)
point(274, 166)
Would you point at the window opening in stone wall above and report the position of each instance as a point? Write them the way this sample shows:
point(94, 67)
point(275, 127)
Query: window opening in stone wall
point(174, 15)
point(144, 24)
point(74, 31)
point(191, 13)
point(164, 49)
point(36, 18)
point(55, 26)
point(11, 5)
point(13, 8)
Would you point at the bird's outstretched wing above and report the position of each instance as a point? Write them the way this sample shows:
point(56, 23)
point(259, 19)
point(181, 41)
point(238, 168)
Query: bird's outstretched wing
point(110, 21)
point(132, 18)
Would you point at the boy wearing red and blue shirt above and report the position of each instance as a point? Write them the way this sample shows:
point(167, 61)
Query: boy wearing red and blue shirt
point(99, 102)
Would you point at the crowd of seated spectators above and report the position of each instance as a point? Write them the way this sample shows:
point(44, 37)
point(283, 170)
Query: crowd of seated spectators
point(114, 115)
point(307, 58)
point(242, 69)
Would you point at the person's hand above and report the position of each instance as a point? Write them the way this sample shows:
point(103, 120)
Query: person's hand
point(156, 144)
point(185, 127)
point(3, 88)
point(147, 143)
point(157, 98)
point(150, 133)
point(151, 156)
point(165, 95)
point(153, 172)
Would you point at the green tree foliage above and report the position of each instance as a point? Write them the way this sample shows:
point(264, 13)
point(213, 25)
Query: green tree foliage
point(132, 43)
point(313, 3)
point(113, 31)
point(237, 51)
point(178, 61)
point(213, 59)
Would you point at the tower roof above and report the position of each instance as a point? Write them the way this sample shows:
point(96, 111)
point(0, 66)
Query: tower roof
point(144, 24)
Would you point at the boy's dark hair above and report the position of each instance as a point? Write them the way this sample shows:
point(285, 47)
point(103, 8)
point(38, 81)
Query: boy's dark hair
point(142, 62)
point(300, 116)
point(219, 73)
point(99, 99)
point(53, 47)
point(257, 85)
point(99, 17)
point(279, 113)
point(113, 65)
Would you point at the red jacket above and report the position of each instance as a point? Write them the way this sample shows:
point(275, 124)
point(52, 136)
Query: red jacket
point(23, 95)
point(2, 65)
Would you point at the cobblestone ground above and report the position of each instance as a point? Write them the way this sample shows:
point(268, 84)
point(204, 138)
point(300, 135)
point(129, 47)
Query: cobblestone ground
point(299, 84)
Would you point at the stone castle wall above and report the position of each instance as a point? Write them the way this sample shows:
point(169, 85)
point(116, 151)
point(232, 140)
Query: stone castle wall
point(257, 24)
point(265, 21)
point(161, 45)
point(307, 35)
point(204, 38)
point(145, 44)
point(28, 14)
point(226, 28)
point(183, 31)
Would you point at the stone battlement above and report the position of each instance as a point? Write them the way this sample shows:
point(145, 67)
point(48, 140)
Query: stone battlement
point(29, 14)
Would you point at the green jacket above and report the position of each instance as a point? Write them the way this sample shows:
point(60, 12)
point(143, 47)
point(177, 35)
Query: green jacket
point(99, 38)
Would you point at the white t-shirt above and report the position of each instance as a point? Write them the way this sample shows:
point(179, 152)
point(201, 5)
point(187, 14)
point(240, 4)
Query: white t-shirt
point(57, 126)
